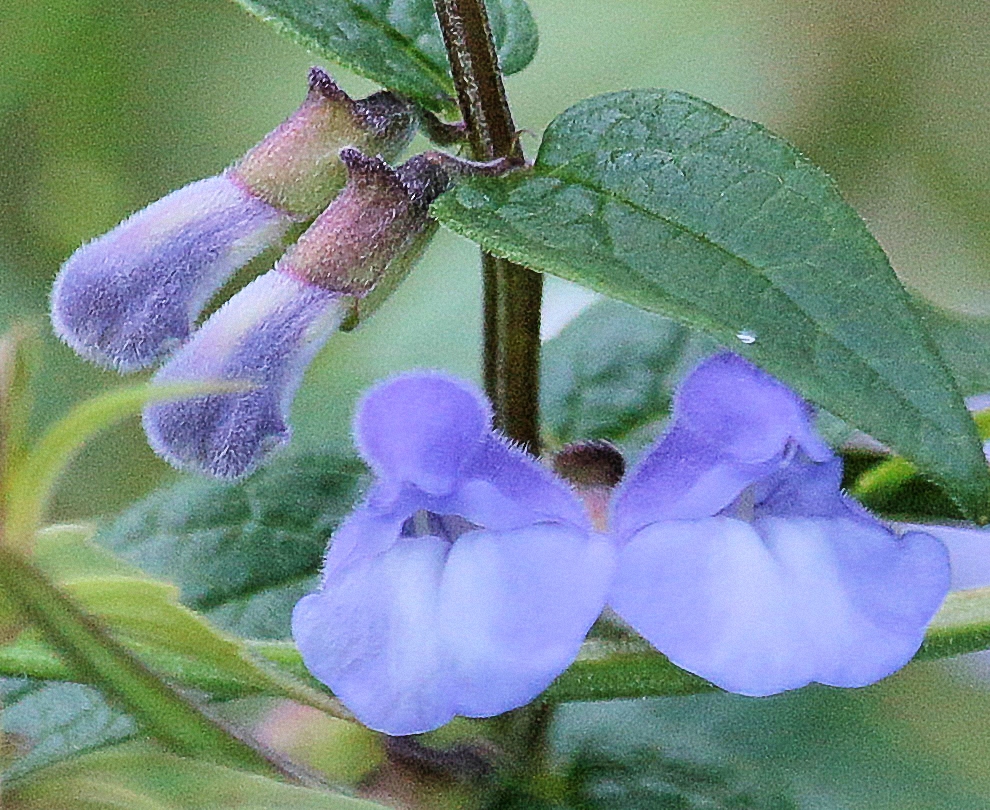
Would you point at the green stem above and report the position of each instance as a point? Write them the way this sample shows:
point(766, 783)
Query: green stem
point(167, 715)
point(512, 293)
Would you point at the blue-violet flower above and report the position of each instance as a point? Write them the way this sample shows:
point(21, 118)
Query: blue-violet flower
point(741, 559)
point(467, 579)
point(130, 296)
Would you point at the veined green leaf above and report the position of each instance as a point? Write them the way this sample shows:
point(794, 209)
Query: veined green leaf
point(48, 722)
point(242, 553)
point(663, 201)
point(139, 775)
point(396, 43)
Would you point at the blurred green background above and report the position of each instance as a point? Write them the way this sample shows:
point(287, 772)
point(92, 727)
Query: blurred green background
point(106, 105)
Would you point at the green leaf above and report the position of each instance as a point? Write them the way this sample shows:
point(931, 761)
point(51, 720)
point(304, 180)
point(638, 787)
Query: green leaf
point(396, 43)
point(47, 722)
point(162, 711)
point(963, 341)
point(663, 201)
point(34, 479)
point(139, 776)
point(613, 370)
point(242, 553)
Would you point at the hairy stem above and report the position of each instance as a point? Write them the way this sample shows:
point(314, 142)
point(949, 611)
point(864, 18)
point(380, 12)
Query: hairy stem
point(512, 293)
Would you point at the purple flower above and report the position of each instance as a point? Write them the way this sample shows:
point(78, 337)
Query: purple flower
point(130, 296)
point(743, 562)
point(465, 582)
point(265, 336)
point(345, 264)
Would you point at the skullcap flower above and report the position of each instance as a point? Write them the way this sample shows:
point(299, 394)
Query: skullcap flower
point(741, 559)
point(467, 579)
point(129, 297)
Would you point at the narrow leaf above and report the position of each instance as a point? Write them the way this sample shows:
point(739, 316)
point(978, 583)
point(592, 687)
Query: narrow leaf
point(138, 775)
point(396, 43)
point(663, 201)
point(34, 479)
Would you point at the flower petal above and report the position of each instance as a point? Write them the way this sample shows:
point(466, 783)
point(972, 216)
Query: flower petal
point(127, 298)
point(733, 425)
point(420, 428)
point(514, 608)
point(371, 635)
point(265, 336)
point(760, 608)
point(746, 412)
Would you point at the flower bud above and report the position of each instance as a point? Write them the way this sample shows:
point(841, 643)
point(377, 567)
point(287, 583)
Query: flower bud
point(265, 336)
point(345, 264)
point(364, 244)
point(130, 296)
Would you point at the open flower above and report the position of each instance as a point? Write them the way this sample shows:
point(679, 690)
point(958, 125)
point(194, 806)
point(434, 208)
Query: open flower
point(465, 582)
point(129, 297)
point(743, 562)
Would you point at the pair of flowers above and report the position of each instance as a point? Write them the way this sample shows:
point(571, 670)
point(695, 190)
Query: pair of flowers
point(468, 578)
point(132, 297)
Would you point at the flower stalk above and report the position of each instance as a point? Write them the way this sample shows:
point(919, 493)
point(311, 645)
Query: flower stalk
point(512, 293)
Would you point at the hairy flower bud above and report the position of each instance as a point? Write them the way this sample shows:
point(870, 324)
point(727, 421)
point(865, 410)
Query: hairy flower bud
point(346, 263)
point(130, 296)
point(364, 244)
